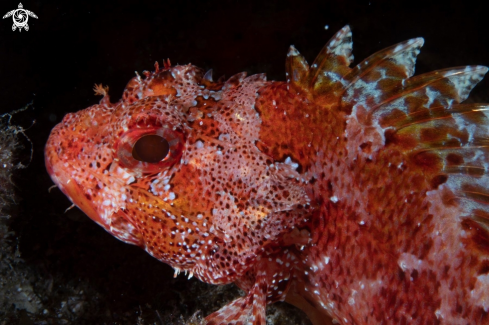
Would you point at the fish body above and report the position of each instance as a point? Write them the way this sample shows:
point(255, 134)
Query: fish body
point(356, 193)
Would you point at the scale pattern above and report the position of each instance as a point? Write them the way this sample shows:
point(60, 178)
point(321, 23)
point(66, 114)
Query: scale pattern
point(355, 193)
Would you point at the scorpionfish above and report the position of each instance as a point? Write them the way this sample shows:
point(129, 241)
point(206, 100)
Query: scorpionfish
point(359, 195)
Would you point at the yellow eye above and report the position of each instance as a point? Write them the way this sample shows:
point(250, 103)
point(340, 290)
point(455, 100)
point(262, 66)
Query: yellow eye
point(150, 148)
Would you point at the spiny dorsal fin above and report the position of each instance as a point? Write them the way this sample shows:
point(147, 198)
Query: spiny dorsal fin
point(329, 76)
point(458, 136)
point(380, 75)
point(328, 68)
point(296, 68)
point(332, 63)
point(452, 146)
point(422, 117)
point(438, 88)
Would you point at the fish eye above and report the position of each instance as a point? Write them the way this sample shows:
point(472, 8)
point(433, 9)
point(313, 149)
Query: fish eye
point(150, 148)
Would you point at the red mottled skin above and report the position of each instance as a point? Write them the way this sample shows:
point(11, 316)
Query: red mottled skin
point(356, 193)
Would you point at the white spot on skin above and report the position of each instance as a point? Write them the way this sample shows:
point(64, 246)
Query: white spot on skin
point(409, 262)
point(289, 162)
point(478, 294)
point(334, 199)
point(438, 314)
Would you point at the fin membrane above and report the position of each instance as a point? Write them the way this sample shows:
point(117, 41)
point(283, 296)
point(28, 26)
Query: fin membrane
point(421, 115)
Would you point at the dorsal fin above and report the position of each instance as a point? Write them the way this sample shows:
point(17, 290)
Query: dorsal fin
point(380, 75)
point(441, 88)
point(329, 67)
point(448, 140)
point(296, 68)
point(332, 62)
point(453, 145)
point(329, 76)
point(422, 117)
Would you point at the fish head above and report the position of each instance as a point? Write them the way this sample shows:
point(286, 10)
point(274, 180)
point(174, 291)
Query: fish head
point(173, 168)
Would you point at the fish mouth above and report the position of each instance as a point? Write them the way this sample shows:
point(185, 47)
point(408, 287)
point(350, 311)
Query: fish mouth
point(68, 185)
point(115, 222)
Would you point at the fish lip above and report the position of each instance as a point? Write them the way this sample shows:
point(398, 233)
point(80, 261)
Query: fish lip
point(75, 193)
point(68, 185)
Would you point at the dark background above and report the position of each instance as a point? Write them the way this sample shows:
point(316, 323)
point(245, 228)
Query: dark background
point(73, 45)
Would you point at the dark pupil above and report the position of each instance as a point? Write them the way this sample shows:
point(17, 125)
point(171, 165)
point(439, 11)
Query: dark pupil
point(150, 149)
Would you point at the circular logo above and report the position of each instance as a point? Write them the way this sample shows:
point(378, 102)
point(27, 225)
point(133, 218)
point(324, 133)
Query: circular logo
point(20, 17)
